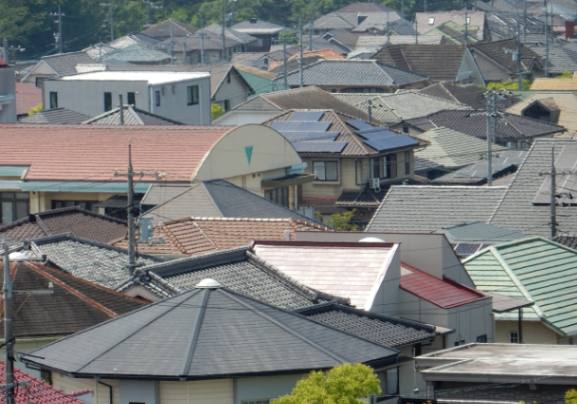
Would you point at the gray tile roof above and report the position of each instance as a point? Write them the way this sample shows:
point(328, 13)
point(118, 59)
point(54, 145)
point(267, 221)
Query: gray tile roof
point(136, 53)
point(167, 28)
point(240, 271)
point(472, 122)
point(470, 95)
point(56, 116)
point(206, 333)
point(132, 116)
point(481, 233)
point(562, 57)
point(357, 73)
point(215, 198)
point(430, 208)
point(383, 330)
point(91, 261)
point(64, 64)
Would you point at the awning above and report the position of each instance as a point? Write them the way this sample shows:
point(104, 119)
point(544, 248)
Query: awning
point(72, 186)
point(10, 185)
point(503, 304)
point(287, 180)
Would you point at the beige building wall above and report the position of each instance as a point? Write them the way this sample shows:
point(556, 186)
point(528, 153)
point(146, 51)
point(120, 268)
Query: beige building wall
point(197, 392)
point(101, 393)
point(534, 332)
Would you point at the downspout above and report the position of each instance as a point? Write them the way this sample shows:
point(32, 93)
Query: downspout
point(110, 396)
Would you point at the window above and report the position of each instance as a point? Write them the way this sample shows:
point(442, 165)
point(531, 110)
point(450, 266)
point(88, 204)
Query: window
point(376, 168)
point(192, 96)
point(226, 105)
point(482, 338)
point(131, 98)
point(228, 78)
point(157, 98)
point(107, 101)
point(408, 157)
point(513, 337)
point(359, 174)
point(88, 205)
point(162, 91)
point(460, 342)
point(325, 170)
point(389, 166)
point(431, 20)
point(15, 205)
point(53, 99)
point(392, 381)
point(278, 196)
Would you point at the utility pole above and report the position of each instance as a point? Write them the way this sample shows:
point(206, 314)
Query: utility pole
point(524, 20)
point(58, 36)
point(311, 35)
point(546, 38)
point(416, 31)
point(284, 63)
point(131, 210)
point(519, 54)
point(370, 112)
point(553, 191)
point(6, 51)
point(490, 117)
point(121, 110)
point(8, 327)
point(466, 22)
point(202, 38)
point(223, 31)
point(301, 73)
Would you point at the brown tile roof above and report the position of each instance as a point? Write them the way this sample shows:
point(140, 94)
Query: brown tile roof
point(94, 153)
point(27, 96)
point(198, 235)
point(59, 303)
point(79, 222)
point(554, 84)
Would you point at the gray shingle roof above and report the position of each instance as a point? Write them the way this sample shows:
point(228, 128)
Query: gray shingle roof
point(132, 116)
point(353, 73)
point(240, 271)
point(206, 333)
point(88, 260)
point(383, 330)
point(64, 64)
point(56, 116)
point(430, 208)
point(213, 198)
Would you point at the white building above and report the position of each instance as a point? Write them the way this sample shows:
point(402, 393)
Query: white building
point(181, 96)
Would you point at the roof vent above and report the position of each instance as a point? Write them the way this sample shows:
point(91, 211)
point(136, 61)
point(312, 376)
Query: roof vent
point(371, 240)
point(208, 284)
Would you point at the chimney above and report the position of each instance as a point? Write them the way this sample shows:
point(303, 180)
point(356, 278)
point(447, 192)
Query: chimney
point(569, 29)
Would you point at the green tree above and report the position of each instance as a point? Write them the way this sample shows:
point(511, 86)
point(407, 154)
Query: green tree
point(509, 85)
point(216, 110)
point(571, 396)
point(342, 221)
point(345, 384)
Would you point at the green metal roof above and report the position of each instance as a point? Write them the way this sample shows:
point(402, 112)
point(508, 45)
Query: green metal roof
point(534, 268)
point(259, 85)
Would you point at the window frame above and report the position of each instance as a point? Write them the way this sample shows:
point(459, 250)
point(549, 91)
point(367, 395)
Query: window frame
point(107, 101)
point(389, 169)
point(193, 94)
point(131, 95)
point(53, 99)
point(359, 171)
point(407, 157)
point(514, 337)
point(16, 199)
point(324, 163)
point(157, 96)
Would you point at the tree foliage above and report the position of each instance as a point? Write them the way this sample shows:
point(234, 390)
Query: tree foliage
point(571, 396)
point(345, 384)
point(342, 221)
point(509, 85)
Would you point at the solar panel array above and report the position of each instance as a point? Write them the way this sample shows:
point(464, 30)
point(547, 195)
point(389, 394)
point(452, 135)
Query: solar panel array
point(381, 139)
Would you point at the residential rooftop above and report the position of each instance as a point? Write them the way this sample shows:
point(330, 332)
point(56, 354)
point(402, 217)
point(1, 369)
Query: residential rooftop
point(151, 77)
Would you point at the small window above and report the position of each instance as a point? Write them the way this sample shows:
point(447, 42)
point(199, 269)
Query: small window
point(513, 337)
point(392, 383)
point(431, 20)
point(460, 342)
point(157, 98)
point(162, 91)
point(192, 95)
point(325, 170)
point(228, 78)
point(359, 174)
point(131, 98)
point(53, 102)
point(389, 166)
point(482, 338)
point(107, 101)
point(408, 156)
point(226, 105)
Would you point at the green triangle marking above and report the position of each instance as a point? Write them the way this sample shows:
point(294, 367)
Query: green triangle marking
point(248, 152)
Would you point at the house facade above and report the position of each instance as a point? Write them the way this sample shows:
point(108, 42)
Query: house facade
point(183, 97)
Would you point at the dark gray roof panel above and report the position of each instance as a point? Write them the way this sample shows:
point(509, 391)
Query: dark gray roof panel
point(206, 333)
point(56, 116)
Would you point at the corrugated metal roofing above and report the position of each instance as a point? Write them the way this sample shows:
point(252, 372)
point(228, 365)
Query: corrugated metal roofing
point(535, 269)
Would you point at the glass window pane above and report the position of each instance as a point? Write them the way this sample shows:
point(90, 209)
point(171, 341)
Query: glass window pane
point(331, 171)
point(21, 209)
point(392, 381)
point(319, 170)
point(7, 212)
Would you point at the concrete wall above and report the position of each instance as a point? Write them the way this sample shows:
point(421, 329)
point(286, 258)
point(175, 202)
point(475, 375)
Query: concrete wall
point(100, 392)
point(534, 332)
point(173, 102)
point(386, 292)
point(7, 95)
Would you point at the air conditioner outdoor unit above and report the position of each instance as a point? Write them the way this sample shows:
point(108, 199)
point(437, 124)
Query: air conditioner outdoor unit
point(376, 184)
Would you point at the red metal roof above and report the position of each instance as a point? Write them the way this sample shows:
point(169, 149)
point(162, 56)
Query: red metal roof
point(31, 390)
point(90, 153)
point(444, 293)
point(27, 96)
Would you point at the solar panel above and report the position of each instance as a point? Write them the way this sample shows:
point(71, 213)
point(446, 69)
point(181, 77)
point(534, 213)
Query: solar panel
point(360, 125)
point(306, 116)
point(386, 140)
point(466, 249)
point(289, 126)
point(300, 136)
point(319, 147)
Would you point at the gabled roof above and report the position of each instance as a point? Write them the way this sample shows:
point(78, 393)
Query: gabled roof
point(199, 235)
point(473, 122)
point(470, 95)
point(354, 73)
point(429, 20)
point(89, 260)
point(380, 329)
point(320, 266)
point(79, 222)
point(501, 53)
point(32, 390)
point(167, 28)
point(535, 269)
point(504, 162)
point(215, 198)
point(233, 37)
point(443, 293)
point(178, 150)
point(56, 116)
point(180, 337)
point(309, 97)
point(438, 62)
point(450, 149)
point(561, 107)
point(479, 233)
point(314, 132)
point(138, 54)
point(243, 272)
point(430, 208)
point(131, 116)
point(60, 304)
point(64, 64)
point(218, 74)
